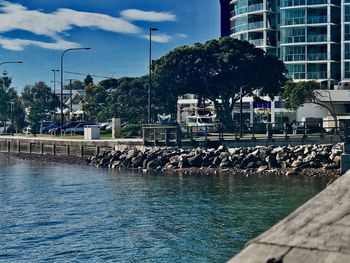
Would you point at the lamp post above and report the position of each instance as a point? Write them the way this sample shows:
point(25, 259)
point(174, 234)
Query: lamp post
point(61, 102)
point(12, 115)
point(54, 79)
point(150, 74)
point(240, 113)
point(11, 62)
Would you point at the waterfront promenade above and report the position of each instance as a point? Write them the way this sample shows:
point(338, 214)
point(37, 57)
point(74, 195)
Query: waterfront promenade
point(317, 232)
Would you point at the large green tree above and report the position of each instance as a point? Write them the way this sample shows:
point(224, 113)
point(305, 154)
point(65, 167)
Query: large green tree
point(9, 95)
point(95, 102)
point(218, 70)
point(296, 94)
point(129, 100)
point(40, 101)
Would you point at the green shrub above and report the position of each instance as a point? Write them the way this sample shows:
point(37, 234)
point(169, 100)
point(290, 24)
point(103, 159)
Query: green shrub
point(131, 130)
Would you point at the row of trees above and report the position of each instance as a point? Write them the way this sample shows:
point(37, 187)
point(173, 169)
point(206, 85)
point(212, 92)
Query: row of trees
point(220, 70)
point(224, 70)
point(37, 100)
point(125, 98)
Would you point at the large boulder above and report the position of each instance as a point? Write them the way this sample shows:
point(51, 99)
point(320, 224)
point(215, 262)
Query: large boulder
point(195, 161)
point(175, 159)
point(153, 164)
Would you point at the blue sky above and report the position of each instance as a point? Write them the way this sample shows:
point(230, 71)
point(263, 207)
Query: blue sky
point(37, 31)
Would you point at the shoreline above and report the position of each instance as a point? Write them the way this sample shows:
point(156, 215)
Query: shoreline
point(203, 171)
point(46, 158)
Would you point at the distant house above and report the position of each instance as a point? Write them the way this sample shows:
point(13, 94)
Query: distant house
point(72, 100)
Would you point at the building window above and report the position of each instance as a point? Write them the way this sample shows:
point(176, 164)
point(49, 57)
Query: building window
point(347, 32)
point(294, 53)
point(347, 13)
point(347, 69)
point(279, 105)
point(347, 50)
point(293, 17)
point(293, 35)
point(296, 71)
point(317, 71)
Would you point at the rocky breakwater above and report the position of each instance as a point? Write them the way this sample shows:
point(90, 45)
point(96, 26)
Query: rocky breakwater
point(287, 160)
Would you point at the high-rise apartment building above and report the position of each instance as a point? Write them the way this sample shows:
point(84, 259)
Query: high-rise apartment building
point(312, 37)
point(308, 35)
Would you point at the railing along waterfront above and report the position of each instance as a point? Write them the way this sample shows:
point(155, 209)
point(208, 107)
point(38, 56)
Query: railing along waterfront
point(312, 130)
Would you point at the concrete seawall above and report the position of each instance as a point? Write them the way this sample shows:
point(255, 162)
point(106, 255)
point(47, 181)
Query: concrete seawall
point(317, 232)
point(62, 146)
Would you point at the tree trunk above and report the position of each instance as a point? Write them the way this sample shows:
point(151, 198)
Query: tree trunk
point(225, 116)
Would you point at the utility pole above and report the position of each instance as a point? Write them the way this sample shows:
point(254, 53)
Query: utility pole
point(12, 116)
point(151, 29)
point(54, 79)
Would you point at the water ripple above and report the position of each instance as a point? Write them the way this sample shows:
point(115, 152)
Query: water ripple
point(60, 213)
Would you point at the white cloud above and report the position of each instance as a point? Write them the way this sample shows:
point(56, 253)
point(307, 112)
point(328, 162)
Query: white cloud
point(181, 35)
point(160, 38)
point(18, 44)
point(139, 15)
point(16, 16)
point(55, 25)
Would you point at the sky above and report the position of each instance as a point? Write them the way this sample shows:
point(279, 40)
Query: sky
point(37, 31)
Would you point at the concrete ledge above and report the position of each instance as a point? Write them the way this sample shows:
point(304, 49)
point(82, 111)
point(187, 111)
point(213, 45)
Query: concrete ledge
point(318, 231)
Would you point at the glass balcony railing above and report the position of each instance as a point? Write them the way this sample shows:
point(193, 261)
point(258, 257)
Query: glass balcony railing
point(295, 75)
point(317, 38)
point(294, 57)
point(239, 28)
point(293, 21)
point(286, 3)
point(254, 8)
point(317, 19)
point(248, 9)
point(255, 25)
point(317, 2)
point(293, 39)
point(317, 75)
point(257, 42)
point(317, 56)
point(239, 11)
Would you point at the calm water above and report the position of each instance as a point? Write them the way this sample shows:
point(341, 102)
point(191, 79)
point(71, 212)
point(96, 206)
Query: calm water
point(62, 213)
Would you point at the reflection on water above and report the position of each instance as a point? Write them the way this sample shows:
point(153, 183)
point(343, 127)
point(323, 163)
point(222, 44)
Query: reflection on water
point(54, 212)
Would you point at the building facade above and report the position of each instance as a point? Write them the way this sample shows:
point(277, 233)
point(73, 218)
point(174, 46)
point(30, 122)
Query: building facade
point(312, 38)
point(308, 35)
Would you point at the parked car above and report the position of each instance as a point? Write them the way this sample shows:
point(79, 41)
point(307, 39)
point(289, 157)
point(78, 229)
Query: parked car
point(78, 129)
point(105, 125)
point(47, 126)
point(6, 129)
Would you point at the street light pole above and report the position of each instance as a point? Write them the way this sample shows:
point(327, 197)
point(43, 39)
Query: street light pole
point(61, 102)
point(54, 79)
point(11, 62)
point(12, 113)
point(150, 74)
point(240, 113)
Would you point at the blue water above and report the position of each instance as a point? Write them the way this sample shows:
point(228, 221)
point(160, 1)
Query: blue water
point(61, 213)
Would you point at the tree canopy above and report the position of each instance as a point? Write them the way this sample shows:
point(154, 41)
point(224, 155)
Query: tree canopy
point(218, 69)
point(7, 95)
point(296, 94)
point(95, 101)
point(40, 100)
